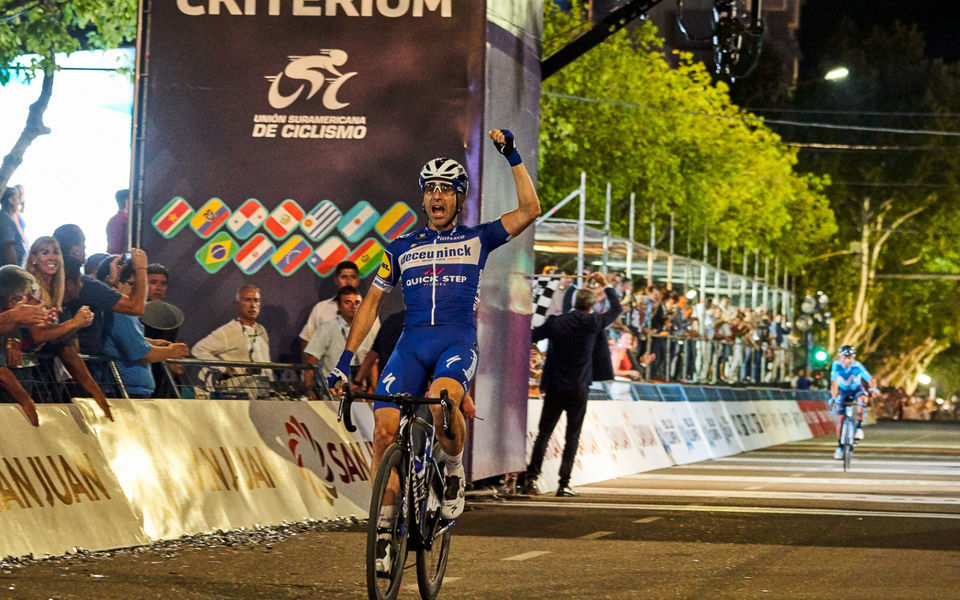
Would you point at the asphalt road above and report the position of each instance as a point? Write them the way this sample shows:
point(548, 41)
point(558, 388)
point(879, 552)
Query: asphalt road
point(784, 522)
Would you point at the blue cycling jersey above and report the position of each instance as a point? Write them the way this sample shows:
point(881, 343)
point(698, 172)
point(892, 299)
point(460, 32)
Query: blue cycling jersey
point(439, 272)
point(849, 379)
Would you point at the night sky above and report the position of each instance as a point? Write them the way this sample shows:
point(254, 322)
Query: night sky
point(938, 19)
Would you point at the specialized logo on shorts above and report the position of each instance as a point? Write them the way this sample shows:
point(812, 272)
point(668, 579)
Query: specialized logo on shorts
point(463, 253)
point(315, 70)
point(388, 380)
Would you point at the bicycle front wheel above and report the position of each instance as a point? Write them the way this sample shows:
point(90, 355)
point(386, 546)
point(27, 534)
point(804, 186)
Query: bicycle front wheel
point(389, 489)
point(432, 563)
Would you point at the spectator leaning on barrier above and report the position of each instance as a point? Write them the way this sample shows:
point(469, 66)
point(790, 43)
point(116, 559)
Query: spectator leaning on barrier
point(566, 376)
point(16, 288)
point(57, 336)
point(330, 339)
point(132, 352)
point(346, 274)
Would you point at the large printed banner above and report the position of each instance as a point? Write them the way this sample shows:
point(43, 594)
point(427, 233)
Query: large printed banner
point(281, 138)
point(57, 491)
point(191, 466)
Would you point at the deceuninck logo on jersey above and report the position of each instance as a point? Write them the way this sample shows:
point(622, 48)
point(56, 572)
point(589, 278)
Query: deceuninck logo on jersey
point(217, 252)
point(298, 86)
point(210, 217)
point(170, 219)
point(466, 252)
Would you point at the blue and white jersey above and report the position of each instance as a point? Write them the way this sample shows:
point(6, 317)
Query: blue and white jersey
point(439, 272)
point(850, 379)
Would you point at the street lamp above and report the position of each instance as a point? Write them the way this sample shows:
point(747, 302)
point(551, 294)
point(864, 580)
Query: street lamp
point(836, 74)
point(923, 379)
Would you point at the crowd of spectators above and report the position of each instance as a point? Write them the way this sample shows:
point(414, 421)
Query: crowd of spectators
point(664, 336)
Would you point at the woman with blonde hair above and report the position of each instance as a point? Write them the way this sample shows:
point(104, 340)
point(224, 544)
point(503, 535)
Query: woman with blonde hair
point(45, 263)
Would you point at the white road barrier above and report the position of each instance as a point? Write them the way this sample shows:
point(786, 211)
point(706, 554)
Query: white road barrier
point(165, 468)
point(57, 492)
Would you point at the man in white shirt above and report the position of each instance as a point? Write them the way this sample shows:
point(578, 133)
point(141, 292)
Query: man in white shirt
point(242, 339)
point(330, 338)
point(346, 274)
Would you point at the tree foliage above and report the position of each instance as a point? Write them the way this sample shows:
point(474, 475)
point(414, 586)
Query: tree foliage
point(895, 194)
point(33, 32)
point(624, 115)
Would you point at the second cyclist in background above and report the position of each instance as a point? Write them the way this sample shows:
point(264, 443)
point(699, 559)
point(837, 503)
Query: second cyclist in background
point(848, 378)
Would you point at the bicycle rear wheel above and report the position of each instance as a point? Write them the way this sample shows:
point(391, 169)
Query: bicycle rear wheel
point(848, 433)
point(391, 467)
point(432, 563)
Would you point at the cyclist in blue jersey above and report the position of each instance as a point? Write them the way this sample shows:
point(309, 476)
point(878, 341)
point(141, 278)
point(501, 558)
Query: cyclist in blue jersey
point(438, 269)
point(847, 380)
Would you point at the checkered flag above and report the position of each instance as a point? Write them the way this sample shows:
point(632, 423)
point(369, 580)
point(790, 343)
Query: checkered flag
point(542, 289)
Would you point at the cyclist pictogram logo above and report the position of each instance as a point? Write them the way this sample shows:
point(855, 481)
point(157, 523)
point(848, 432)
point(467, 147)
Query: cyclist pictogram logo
point(319, 71)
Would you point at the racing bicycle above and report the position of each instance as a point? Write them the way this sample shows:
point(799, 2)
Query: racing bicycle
point(848, 430)
point(416, 473)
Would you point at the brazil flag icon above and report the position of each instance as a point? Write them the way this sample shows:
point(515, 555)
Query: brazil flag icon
point(217, 252)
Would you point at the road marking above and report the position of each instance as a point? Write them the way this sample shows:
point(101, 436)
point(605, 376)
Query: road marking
point(736, 509)
point(447, 579)
point(527, 555)
point(595, 535)
point(697, 493)
point(648, 519)
point(860, 466)
point(841, 478)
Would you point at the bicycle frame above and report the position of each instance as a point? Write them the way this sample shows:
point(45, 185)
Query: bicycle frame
point(848, 430)
point(417, 486)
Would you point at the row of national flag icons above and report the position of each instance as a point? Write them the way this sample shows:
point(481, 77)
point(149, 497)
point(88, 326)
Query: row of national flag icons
point(316, 224)
point(251, 255)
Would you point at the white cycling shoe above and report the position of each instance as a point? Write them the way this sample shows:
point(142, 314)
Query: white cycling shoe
point(384, 562)
point(859, 434)
point(453, 500)
point(838, 453)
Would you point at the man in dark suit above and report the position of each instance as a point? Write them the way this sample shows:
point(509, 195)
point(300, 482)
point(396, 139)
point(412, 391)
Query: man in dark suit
point(567, 373)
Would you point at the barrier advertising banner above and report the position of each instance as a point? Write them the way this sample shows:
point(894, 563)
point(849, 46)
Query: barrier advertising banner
point(191, 466)
point(280, 138)
point(57, 491)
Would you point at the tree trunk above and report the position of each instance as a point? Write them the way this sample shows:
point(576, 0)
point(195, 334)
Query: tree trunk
point(31, 131)
point(859, 331)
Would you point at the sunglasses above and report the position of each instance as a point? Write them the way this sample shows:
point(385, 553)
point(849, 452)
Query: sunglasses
point(445, 189)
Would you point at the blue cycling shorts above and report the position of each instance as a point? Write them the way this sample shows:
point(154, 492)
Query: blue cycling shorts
point(426, 353)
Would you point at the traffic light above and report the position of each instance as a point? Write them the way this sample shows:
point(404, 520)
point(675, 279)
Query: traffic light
point(820, 358)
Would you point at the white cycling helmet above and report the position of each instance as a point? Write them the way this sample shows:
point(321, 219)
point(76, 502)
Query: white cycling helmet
point(445, 169)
